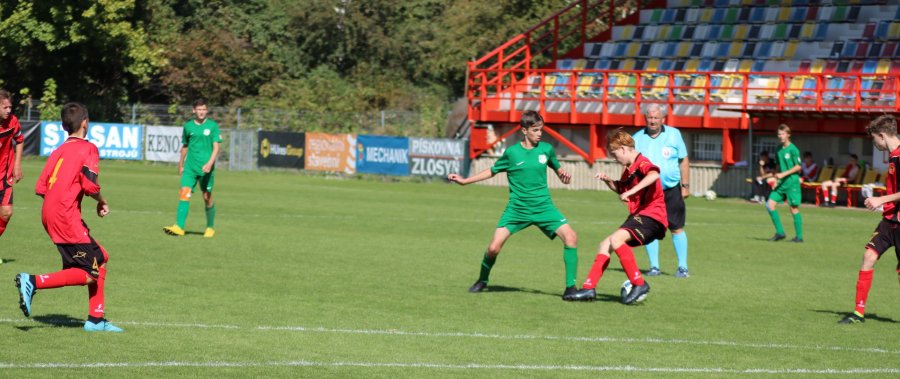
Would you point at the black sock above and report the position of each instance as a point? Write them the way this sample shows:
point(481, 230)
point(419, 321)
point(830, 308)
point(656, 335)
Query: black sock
point(95, 320)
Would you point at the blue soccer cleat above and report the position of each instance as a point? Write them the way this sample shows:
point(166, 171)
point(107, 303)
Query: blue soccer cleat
point(102, 326)
point(653, 271)
point(26, 292)
point(682, 273)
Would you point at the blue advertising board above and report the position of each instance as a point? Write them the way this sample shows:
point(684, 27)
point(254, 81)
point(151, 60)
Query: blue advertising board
point(115, 141)
point(382, 155)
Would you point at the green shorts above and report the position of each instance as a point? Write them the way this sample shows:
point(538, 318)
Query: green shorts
point(548, 220)
point(791, 193)
point(190, 177)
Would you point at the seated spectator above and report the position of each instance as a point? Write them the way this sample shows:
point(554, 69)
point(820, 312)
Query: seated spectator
point(808, 168)
point(849, 176)
point(766, 177)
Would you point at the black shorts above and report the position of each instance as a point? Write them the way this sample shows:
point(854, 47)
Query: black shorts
point(88, 257)
point(675, 207)
point(6, 193)
point(886, 234)
point(643, 230)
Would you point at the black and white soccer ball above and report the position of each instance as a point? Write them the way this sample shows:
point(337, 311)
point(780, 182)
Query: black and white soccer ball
point(626, 290)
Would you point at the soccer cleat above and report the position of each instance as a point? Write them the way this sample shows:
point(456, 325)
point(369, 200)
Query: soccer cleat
point(102, 326)
point(777, 237)
point(853, 318)
point(682, 273)
point(26, 292)
point(209, 233)
point(638, 294)
point(654, 271)
point(478, 287)
point(583, 295)
point(797, 240)
point(174, 230)
point(569, 292)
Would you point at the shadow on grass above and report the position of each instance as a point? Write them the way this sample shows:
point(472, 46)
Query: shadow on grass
point(869, 316)
point(53, 321)
point(600, 296)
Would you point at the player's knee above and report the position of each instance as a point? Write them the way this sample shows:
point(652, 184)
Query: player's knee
point(6, 213)
point(184, 194)
point(570, 238)
point(493, 250)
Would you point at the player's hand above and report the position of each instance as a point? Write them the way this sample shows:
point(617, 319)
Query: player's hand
point(102, 208)
point(180, 170)
point(564, 176)
point(207, 168)
point(685, 192)
point(602, 176)
point(17, 174)
point(873, 203)
point(625, 195)
point(778, 176)
point(455, 178)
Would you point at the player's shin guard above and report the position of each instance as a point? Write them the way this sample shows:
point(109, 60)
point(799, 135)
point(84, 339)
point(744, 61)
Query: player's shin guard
point(64, 278)
point(597, 269)
point(798, 225)
point(95, 295)
point(626, 257)
point(776, 220)
point(862, 290)
point(184, 207)
point(570, 258)
point(486, 264)
point(680, 242)
point(653, 253)
point(211, 216)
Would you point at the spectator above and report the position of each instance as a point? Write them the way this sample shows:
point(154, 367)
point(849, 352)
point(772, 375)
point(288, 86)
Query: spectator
point(762, 185)
point(849, 176)
point(808, 168)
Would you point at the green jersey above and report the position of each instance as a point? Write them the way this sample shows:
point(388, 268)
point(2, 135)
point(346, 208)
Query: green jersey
point(199, 140)
point(788, 157)
point(526, 170)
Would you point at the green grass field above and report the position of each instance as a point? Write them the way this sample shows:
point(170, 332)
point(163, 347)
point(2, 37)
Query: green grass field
point(312, 276)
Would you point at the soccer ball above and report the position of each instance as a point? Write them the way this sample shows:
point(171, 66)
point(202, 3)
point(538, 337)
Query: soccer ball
point(710, 195)
point(626, 289)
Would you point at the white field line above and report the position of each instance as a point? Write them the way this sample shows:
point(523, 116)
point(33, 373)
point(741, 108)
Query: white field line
point(439, 366)
point(394, 332)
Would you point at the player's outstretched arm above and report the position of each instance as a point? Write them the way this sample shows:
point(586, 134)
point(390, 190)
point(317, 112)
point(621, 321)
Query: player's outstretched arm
point(872, 203)
point(102, 205)
point(564, 176)
point(651, 177)
point(484, 175)
point(609, 181)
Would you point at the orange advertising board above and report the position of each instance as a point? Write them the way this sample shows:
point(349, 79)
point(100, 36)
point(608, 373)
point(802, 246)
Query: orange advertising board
point(331, 152)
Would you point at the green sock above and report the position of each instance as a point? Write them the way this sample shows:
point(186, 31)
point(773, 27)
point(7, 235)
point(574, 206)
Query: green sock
point(777, 221)
point(486, 264)
point(183, 208)
point(798, 225)
point(211, 216)
point(570, 257)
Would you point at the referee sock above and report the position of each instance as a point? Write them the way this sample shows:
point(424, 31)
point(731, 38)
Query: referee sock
point(64, 278)
point(486, 264)
point(777, 221)
point(184, 207)
point(626, 258)
point(680, 241)
point(211, 216)
point(570, 257)
point(653, 253)
point(862, 290)
point(798, 225)
point(597, 269)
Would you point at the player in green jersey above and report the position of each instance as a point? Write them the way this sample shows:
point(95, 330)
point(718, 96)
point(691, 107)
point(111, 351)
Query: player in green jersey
point(529, 204)
point(788, 187)
point(200, 141)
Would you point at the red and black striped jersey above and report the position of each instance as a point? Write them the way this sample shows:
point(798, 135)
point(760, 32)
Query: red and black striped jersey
point(70, 173)
point(650, 200)
point(10, 131)
point(891, 209)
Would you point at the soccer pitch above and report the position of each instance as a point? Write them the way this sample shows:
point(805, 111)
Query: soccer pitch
point(312, 276)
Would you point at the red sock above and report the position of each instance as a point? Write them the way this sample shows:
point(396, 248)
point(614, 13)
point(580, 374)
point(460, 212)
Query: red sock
point(862, 290)
point(600, 263)
point(95, 293)
point(67, 277)
point(626, 257)
point(3, 224)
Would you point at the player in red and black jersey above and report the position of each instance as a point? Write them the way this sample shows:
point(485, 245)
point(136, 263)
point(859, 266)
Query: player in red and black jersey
point(640, 189)
point(884, 135)
point(11, 142)
point(70, 173)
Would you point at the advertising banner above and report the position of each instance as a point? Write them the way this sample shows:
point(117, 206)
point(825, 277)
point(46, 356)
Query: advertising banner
point(436, 157)
point(331, 152)
point(281, 149)
point(382, 155)
point(163, 143)
point(115, 141)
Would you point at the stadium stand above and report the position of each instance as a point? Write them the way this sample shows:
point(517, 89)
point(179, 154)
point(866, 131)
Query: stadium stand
point(712, 64)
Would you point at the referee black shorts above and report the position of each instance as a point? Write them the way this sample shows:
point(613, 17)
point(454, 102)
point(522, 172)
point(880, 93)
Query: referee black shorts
point(675, 207)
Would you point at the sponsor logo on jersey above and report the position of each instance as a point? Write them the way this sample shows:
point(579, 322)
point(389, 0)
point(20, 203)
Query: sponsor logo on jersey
point(79, 254)
point(205, 132)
